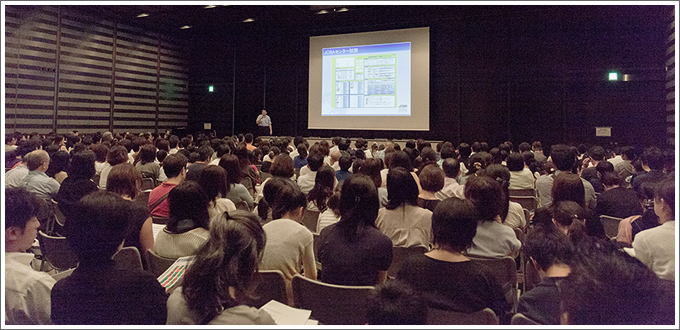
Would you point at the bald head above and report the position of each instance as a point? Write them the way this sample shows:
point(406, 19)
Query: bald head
point(37, 160)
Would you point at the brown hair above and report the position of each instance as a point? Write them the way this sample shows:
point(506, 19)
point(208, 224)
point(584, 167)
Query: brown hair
point(124, 179)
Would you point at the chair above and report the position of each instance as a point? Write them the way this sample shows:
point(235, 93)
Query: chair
point(310, 219)
point(443, 317)
point(400, 254)
point(297, 173)
point(331, 304)
point(128, 257)
point(242, 205)
point(269, 285)
point(531, 278)
point(148, 184)
point(611, 226)
point(527, 217)
point(527, 202)
point(157, 264)
point(56, 252)
point(520, 319)
point(160, 220)
point(505, 271)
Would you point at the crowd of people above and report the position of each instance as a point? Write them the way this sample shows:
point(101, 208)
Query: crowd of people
point(237, 204)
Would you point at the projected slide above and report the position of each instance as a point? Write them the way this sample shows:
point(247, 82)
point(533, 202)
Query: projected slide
point(368, 80)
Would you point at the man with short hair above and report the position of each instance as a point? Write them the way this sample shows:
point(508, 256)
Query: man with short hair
point(14, 176)
point(194, 170)
point(596, 155)
point(344, 163)
point(174, 144)
point(563, 160)
point(36, 181)
point(264, 124)
point(451, 168)
point(314, 162)
point(625, 168)
point(27, 292)
point(653, 159)
point(175, 168)
point(537, 149)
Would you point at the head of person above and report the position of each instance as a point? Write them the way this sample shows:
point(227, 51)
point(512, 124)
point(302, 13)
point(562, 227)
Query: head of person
point(175, 165)
point(487, 196)
point(187, 201)
point(117, 155)
point(229, 259)
point(99, 223)
point(323, 187)
point(568, 187)
point(524, 147)
point(213, 180)
point(302, 150)
point(125, 180)
point(603, 167)
point(401, 188)
point(610, 179)
point(264, 112)
point(451, 167)
point(596, 153)
point(282, 166)
point(478, 162)
point(496, 155)
point(284, 197)
point(401, 159)
point(628, 153)
point(664, 200)
point(248, 138)
point(82, 165)
point(568, 217)
point(563, 157)
point(428, 156)
point(315, 160)
point(547, 248)
point(610, 288)
point(372, 167)
point(345, 161)
point(501, 174)
point(21, 223)
point(432, 178)
point(396, 303)
point(147, 153)
point(58, 163)
point(528, 158)
point(359, 205)
point(205, 153)
point(515, 162)
point(232, 167)
point(37, 160)
point(454, 224)
point(653, 158)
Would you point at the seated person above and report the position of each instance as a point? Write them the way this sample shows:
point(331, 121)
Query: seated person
point(213, 180)
point(99, 291)
point(631, 226)
point(27, 292)
point(655, 247)
point(332, 213)
point(217, 283)
point(175, 168)
point(322, 190)
point(493, 239)
point(353, 251)
point(550, 253)
point(448, 279)
point(402, 220)
point(395, 302)
point(79, 181)
point(236, 191)
point(187, 228)
point(344, 163)
point(431, 180)
point(290, 245)
point(147, 162)
point(616, 201)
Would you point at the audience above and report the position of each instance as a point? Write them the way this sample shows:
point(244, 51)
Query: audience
point(323, 189)
point(521, 176)
point(431, 180)
point(511, 213)
point(353, 251)
point(193, 171)
point(372, 168)
point(451, 168)
point(213, 180)
point(616, 201)
point(117, 155)
point(59, 161)
point(235, 190)
point(445, 276)
point(27, 292)
point(631, 226)
point(36, 181)
point(396, 303)
point(79, 182)
point(563, 159)
point(344, 164)
point(175, 168)
point(306, 182)
point(147, 162)
point(401, 219)
point(99, 291)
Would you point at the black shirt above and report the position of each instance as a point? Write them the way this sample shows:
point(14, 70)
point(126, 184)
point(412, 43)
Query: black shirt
point(542, 303)
point(618, 202)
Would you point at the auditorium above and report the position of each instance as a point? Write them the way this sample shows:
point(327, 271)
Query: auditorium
point(287, 164)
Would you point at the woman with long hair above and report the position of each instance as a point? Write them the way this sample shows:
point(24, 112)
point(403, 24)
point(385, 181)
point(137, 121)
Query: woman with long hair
point(290, 245)
point(213, 180)
point(147, 162)
point(372, 168)
point(402, 220)
point(188, 224)
point(512, 213)
point(79, 183)
point(58, 165)
point(493, 239)
point(218, 282)
point(353, 251)
point(235, 190)
point(125, 180)
point(322, 190)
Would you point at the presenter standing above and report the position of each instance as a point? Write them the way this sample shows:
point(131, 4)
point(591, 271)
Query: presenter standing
point(264, 124)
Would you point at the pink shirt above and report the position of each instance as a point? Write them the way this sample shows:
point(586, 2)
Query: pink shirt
point(163, 209)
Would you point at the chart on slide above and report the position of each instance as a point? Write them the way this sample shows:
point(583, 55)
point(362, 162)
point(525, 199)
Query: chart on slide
point(369, 80)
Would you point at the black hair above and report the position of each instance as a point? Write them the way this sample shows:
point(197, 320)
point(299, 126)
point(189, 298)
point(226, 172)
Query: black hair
point(58, 162)
point(323, 187)
point(568, 187)
point(431, 178)
point(451, 167)
point(666, 191)
point(230, 163)
point(401, 159)
point(501, 174)
point(315, 160)
point(548, 248)
point(359, 205)
point(563, 158)
point(282, 196)
point(515, 162)
point(401, 188)
point(213, 180)
point(396, 302)
point(187, 201)
point(282, 166)
point(486, 194)
point(454, 223)
point(173, 164)
point(20, 207)
point(205, 152)
point(654, 158)
point(82, 165)
point(345, 161)
point(147, 153)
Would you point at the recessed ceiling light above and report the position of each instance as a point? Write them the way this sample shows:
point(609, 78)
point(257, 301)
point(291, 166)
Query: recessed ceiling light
point(185, 27)
point(248, 20)
point(342, 9)
point(142, 15)
point(209, 6)
point(323, 11)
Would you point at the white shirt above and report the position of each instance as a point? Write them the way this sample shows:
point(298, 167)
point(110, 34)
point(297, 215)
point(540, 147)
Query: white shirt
point(326, 218)
point(494, 240)
point(451, 189)
point(27, 292)
point(615, 160)
point(289, 246)
point(523, 179)
point(406, 226)
point(220, 206)
point(264, 120)
point(180, 245)
point(14, 176)
point(515, 218)
point(655, 247)
point(306, 182)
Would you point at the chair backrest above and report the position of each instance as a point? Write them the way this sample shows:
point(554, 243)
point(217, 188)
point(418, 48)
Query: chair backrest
point(520, 319)
point(527, 202)
point(57, 252)
point(128, 257)
point(317, 242)
point(58, 215)
point(148, 183)
point(160, 220)
point(527, 217)
point(310, 219)
point(531, 278)
point(400, 254)
point(522, 192)
point(439, 317)
point(611, 225)
point(157, 264)
point(331, 304)
point(505, 271)
point(269, 285)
